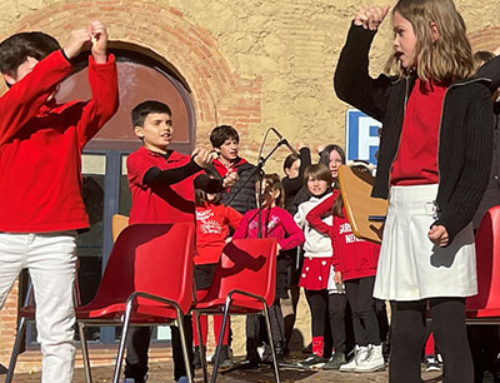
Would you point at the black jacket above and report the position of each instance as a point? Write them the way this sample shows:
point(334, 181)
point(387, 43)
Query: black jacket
point(465, 136)
point(241, 196)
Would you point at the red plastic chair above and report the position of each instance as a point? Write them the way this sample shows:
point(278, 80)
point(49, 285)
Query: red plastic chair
point(148, 281)
point(484, 308)
point(244, 283)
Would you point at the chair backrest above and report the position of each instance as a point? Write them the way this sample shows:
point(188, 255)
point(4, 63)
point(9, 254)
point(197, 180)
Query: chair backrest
point(155, 259)
point(248, 265)
point(118, 223)
point(488, 263)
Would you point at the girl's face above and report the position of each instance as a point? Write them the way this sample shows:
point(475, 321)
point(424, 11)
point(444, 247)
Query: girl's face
point(335, 162)
point(316, 187)
point(293, 171)
point(267, 196)
point(405, 41)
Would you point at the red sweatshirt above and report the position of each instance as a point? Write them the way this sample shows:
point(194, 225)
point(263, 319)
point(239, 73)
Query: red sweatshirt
point(353, 257)
point(212, 229)
point(41, 144)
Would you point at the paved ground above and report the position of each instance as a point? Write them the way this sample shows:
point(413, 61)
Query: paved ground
point(162, 373)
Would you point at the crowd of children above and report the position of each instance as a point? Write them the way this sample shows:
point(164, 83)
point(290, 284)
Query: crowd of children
point(428, 168)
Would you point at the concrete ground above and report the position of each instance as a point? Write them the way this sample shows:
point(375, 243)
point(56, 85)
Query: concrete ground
point(162, 373)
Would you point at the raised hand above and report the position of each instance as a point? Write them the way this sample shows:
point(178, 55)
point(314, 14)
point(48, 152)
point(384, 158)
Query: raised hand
point(77, 39)
point(202, 158)
point(371, 17)
point(99, 39)
point(230, 179)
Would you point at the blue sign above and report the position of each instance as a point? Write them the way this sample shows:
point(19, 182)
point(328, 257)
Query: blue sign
point(362, 136)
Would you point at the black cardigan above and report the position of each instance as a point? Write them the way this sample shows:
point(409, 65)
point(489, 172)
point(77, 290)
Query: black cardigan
point(465, 137)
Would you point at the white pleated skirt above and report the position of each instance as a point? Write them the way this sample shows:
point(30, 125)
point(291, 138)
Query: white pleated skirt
point(411, 267)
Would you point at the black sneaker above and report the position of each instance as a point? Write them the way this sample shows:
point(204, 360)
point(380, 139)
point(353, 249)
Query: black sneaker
point(335, 361)
point(225, 357)
point(197, 358)
point(313, 361)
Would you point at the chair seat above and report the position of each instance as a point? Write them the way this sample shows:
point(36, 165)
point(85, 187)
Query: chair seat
point(238, 306)
point(141, 313)
point(489, 313)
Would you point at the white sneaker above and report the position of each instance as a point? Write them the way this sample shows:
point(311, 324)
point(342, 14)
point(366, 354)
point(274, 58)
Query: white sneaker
point(128, 380)
point(373, 362)
point(360, 354)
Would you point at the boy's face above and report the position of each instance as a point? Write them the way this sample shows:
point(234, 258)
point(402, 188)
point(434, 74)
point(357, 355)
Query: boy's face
point(22, 70)
point(316, 187)
point(229, 149)
point(157, 131)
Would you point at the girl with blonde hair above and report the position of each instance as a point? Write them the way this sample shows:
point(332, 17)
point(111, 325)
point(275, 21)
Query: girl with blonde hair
point(433, 166)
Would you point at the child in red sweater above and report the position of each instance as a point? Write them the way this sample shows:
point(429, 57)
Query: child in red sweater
point(355, 263)
point(41, 206)
point(275, 222)
point(213, 224)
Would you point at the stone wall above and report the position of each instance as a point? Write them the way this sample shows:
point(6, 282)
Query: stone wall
point(250, 63)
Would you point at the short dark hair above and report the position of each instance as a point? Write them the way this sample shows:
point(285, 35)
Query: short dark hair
point(17, 48)
point(289, 160)
point(141, 111)
point(221, 133)
point(200, 196)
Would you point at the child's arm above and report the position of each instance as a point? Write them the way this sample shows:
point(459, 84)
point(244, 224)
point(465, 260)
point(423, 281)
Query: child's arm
point(233, 217)
point(242, 230)
point(23, 100)
point(103, 80)
point(295, 235)
point(474, 176)
point(352, 81)
point(325, 208)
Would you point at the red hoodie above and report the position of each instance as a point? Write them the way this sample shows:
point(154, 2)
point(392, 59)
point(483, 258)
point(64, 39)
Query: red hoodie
point(41, 144)
point(212, 229)
point(353, 257)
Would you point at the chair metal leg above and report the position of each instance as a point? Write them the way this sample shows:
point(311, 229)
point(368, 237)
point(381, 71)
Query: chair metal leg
point(218, 350)
point(15, 350)
point(85, 353)
point(123, 342)
point(202, 348)
point(271, 344)
point(182, 333)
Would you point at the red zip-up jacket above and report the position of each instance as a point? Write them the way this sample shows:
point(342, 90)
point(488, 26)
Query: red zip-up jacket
point(353, 257)
point(212, 229)
point(41, 144)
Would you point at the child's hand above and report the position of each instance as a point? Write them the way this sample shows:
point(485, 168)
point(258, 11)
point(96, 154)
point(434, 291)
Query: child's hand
point(230, 179)
point(337, 277)
point(439, 235)
point(99, 39)
point(371, 17)
point(77, 39)
point(202, 158)
point(320, 148)
point(278, 248)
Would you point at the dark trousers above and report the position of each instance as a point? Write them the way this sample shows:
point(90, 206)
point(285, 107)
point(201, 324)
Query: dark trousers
point(136, 362)
point(364, 316)
point(328, 307)
point(255, 333)
point(408, 334)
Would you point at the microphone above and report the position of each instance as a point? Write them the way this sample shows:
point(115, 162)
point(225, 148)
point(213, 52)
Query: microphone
point(284, 141)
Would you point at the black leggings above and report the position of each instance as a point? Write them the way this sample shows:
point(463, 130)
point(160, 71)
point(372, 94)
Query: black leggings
point(364, 316)
point(408, 333)
point(332, 307)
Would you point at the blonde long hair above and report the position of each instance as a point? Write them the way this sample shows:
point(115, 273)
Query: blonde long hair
point(448, 58)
